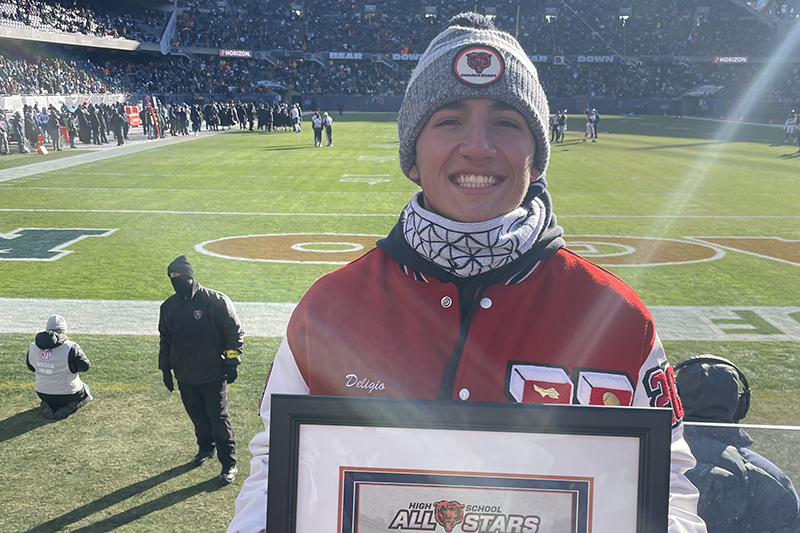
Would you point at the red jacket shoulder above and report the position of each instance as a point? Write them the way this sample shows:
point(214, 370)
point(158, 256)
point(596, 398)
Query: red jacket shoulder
point(586, 274)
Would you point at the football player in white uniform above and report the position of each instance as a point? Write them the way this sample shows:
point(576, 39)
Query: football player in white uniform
point(790, 127)
point(561, 128)
point(591, 125)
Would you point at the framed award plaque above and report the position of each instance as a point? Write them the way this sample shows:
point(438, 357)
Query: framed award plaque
point(356, 465)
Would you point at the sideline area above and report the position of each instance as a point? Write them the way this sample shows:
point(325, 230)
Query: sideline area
point(260, 319)
point(137, 143)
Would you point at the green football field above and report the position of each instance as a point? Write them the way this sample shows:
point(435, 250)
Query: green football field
point(701, 218)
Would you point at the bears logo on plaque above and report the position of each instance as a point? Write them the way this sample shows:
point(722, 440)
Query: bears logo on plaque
point(449, 514)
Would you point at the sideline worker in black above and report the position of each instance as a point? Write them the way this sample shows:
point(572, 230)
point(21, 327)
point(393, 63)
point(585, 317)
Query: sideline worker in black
point(201, 341)
point(740, 490)
point(117, 123)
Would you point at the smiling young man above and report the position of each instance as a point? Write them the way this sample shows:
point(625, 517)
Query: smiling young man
point(476, 157)
point(472, 296)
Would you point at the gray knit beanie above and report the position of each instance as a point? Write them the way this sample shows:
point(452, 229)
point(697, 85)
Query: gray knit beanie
point(473, 59)
point(56, 323)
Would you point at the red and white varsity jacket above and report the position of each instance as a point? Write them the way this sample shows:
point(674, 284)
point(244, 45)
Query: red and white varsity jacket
point(568, 332)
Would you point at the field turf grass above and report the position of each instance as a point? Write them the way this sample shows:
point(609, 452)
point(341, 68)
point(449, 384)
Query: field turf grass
point(15, 159)
point(120, 463)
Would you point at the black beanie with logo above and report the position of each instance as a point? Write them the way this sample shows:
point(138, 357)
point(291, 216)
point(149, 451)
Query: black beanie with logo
point(182, 283)
point(182, 266)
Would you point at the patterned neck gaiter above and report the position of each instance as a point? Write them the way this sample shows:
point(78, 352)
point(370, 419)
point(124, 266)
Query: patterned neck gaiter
point(468, 249)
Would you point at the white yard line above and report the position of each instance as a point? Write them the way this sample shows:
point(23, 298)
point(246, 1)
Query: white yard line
point(703, 119)
point(743, 426)
point(346, 178)
point(137, 317)
point(728, 121)
point(236, 213)
point(218, 191)
point(215, 213)
point(742, 217)
point(123, 317)
point(201, 176)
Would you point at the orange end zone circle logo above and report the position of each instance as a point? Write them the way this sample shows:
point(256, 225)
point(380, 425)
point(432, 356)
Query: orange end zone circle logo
point(307, 248)
point(341, 248)
point(625, 251)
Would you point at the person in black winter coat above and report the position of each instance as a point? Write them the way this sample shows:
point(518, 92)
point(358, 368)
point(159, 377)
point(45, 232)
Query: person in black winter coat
point(56, 360)
point(102, 123)
point(4, 127)
point(740, 490)
point(19, 132)
point(32, 130)
point(269, 117)
point(94, 123)
point(84, 126)
point(71, 122)
point(201, 341)
point(54, 129)
point(117, 123)
point(196, 119)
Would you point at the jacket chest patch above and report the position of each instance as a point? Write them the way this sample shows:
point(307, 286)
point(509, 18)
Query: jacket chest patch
point(198, 314)
point(532, 383)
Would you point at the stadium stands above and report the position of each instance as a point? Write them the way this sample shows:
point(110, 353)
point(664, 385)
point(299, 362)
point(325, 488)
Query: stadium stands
point(693, 30)
point(145, 25)
point(49, 76)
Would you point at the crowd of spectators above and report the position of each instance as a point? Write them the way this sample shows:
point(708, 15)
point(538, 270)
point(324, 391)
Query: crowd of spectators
point(97, 21)
point(220, 77)
point(139, 73)
point(618, 81)
point(322, 25)
point(341, 78)
point(48, 75)
point(655, 27)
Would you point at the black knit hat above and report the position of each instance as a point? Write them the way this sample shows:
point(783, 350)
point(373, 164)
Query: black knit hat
point(709, 392)
point(181, 265)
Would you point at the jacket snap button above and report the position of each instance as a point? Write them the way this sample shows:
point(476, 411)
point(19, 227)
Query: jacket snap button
point(486, 303)
point(447, 302)
point(463, 394)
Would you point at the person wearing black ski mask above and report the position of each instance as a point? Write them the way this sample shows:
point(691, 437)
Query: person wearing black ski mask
point(201, 341)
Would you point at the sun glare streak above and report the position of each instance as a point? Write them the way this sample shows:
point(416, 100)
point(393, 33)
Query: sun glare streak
point(700, 169)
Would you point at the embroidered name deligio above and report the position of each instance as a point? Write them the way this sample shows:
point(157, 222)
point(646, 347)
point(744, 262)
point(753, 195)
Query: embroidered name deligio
point(364, 383)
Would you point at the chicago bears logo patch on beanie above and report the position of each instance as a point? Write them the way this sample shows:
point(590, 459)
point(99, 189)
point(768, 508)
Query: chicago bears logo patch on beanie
point(478, 65)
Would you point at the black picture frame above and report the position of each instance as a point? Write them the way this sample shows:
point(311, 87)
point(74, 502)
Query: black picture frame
point(650, 426)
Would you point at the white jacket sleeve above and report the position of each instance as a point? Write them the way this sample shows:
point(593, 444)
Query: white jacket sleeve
point(284, 377)
point(656, 388)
